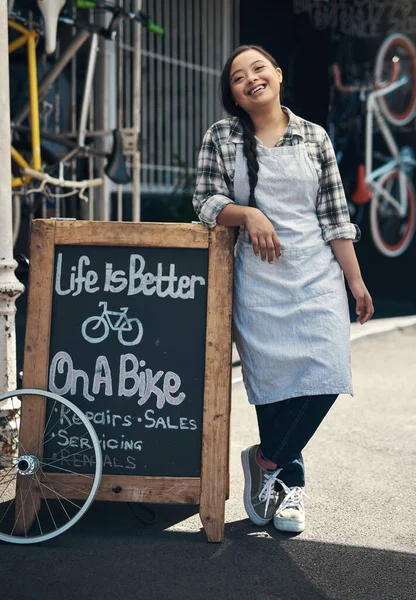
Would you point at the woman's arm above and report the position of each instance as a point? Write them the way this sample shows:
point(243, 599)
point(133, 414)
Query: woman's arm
point(213, 202)
point(260, 229)
point(211, 193)
point(337, 229)
point(331, 205)
point(345, 255)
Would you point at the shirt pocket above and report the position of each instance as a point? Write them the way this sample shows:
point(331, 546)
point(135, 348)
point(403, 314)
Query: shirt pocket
point(228, 157)
point(312, 158)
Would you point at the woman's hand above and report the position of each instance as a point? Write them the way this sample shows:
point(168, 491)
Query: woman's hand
point(262, 234)
point(364, 308)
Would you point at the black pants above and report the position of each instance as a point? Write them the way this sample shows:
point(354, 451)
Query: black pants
point(286, 427)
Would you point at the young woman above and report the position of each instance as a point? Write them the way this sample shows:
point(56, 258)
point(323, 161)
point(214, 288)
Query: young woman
point(275, 175)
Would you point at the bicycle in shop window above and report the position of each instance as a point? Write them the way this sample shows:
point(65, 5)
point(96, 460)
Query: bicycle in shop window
point(383, 181)
point(32, 160)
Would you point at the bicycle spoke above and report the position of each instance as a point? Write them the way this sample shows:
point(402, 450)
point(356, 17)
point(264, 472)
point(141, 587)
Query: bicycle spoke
point(23, 448)
point(57, 497)
point(23, 514)
point(46, 502)
point(37, 514)
point(8, 457)
point(12, 430)
point(60, 495)
point(21, 511)
point(5, 489)
point(68, 486)
point(44, 442)
point(68, 471)
point(14, 437)
point(63, 458)
point(8, 508)
point(63, 430)
point(45, 428)
point(8, 481)
point(11, 469)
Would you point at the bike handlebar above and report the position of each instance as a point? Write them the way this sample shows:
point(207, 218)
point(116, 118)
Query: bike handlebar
point(109, 32)
point(395, 71)
point(62, 182)
point(118, 12)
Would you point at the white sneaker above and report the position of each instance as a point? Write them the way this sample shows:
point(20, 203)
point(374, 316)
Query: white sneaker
point(290, 513)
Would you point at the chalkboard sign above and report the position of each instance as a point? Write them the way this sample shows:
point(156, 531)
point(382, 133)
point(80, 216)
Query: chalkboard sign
point(132, 323)
point(128, 347)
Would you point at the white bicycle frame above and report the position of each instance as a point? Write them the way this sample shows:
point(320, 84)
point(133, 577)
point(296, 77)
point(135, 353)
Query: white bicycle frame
point(61, 182)
point(122, 316)
point(372, 177)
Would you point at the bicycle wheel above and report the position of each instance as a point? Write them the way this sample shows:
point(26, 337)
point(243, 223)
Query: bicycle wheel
point(98, 337)
point(132, 335)
point(399, 106)
point(43, 489)
point(391, 232)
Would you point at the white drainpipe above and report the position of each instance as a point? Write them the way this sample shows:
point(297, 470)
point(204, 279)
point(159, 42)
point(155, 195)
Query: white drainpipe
point(10, 286)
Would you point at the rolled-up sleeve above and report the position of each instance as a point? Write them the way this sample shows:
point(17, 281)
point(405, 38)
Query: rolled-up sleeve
point(332, 208)
point(211, 191)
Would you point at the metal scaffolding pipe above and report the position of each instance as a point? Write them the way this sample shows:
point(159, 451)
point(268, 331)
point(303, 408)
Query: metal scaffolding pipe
point(137, 70)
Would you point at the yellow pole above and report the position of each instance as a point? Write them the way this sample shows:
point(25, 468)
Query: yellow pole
point(20, 28)
point(18, 43)
point(17, 157)
point(34, 101)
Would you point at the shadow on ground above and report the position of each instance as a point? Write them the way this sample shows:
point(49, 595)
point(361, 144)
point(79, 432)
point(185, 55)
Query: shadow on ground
point(112, 554)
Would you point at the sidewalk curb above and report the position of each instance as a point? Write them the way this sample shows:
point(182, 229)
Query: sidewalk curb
point(377, 326)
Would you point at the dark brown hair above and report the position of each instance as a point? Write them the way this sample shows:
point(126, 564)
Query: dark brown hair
point(228, 102)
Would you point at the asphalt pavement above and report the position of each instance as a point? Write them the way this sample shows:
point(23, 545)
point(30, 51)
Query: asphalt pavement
point(360, 538)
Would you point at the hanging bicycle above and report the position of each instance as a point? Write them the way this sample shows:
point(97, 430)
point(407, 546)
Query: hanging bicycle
point(27, 151)
point(391, 98)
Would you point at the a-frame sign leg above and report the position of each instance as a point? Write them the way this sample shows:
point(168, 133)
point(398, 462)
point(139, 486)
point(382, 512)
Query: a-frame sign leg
point(35, 368)
point(216, 419)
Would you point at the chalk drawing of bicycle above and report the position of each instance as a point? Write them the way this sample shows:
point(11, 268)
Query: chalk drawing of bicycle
point(116, 321)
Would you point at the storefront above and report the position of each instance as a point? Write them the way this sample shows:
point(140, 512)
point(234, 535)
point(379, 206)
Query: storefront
point(362, 37)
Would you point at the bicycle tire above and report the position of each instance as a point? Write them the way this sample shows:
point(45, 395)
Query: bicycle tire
point(384, 218)
point(397, 115)
point(15, 459)
point(88, 322)
point(137, 339)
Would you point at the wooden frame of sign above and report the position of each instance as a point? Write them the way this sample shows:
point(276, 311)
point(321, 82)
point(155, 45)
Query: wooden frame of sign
point(210, 490)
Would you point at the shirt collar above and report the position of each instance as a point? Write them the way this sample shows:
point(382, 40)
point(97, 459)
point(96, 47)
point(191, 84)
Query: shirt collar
point(293, 128)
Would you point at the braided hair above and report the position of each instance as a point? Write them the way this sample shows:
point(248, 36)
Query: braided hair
point(228, 102)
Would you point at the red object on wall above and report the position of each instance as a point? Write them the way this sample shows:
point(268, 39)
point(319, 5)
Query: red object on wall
point(362, 193)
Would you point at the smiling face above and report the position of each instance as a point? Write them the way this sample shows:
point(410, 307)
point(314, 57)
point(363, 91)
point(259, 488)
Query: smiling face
point(254, 81)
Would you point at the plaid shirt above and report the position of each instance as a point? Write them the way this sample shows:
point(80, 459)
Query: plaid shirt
point(216, 166)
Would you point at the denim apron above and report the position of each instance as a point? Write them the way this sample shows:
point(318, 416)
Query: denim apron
point(291, 318)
